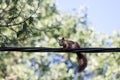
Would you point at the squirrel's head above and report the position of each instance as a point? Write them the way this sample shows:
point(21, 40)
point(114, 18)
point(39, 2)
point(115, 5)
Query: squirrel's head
point(61, 41)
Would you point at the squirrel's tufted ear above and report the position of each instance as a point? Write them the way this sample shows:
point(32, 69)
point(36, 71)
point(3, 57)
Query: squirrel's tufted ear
point(62, 38)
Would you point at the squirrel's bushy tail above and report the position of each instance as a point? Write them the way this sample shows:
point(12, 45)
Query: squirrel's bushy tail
point(82, 61)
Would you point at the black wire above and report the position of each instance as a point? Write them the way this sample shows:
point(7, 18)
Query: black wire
point(45, 49)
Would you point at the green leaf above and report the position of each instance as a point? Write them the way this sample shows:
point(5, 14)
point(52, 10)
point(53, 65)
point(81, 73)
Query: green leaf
point(7, 2)
point(30, 20)
point(15, 1)
point(0, 1)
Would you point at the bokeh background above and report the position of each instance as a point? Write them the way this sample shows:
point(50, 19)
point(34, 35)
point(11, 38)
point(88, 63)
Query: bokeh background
point(103, 15)
point(40, 23)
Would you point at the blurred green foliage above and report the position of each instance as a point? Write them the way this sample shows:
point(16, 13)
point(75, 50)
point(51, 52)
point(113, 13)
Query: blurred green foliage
point(39, 23)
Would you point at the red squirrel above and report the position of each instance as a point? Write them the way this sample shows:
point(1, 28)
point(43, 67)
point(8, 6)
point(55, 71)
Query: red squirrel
point(82, 61)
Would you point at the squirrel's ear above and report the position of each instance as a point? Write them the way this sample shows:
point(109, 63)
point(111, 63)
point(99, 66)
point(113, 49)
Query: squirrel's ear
point(62, 38)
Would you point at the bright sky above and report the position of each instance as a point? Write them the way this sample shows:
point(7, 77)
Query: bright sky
point(104, 15)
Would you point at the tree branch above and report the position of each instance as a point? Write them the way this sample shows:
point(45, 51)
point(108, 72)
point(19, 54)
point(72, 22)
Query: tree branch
point(8, 25)
point(14, 23)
